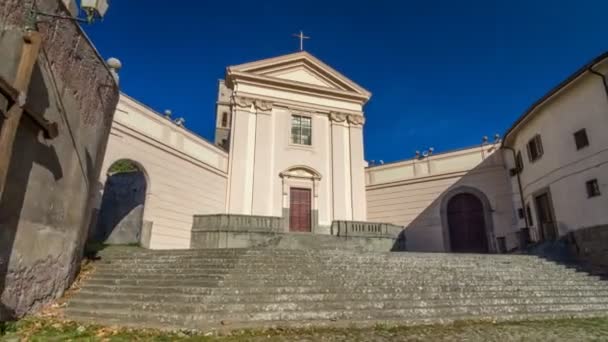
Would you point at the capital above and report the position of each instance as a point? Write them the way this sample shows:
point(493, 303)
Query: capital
point(357, 120)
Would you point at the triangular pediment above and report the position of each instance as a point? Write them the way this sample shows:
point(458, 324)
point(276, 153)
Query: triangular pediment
point(299, 69)
point(303, 75)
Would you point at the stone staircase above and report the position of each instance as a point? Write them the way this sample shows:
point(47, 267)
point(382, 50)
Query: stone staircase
point(236, 288)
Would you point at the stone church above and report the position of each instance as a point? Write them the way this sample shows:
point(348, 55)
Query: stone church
point(287, 164)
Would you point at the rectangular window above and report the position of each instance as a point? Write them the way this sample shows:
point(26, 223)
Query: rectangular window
point(535, 148)
point(520, 213)
point(519, 162)
point(224, 119)
point(301, 127)
point(581, 139)
point(593, 188)
point(529, 213)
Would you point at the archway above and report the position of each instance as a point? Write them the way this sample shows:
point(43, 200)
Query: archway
point(467, 224)
point(120, 217)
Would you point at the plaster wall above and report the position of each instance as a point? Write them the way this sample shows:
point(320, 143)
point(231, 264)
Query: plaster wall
point(185, 174)
point(563, 169)
point(411, 193)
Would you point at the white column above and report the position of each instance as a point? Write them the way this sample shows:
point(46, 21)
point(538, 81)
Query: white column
point(242, 158)
point(263, 178)
point(341, 177)
point(357, 168)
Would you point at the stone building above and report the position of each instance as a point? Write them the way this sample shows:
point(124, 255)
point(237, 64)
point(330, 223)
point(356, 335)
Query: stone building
point(57, 152)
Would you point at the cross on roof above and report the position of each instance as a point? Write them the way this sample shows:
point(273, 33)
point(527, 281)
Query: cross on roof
point(302, 37)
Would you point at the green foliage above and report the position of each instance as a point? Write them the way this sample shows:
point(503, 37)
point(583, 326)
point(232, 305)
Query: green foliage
point(7, 327)
point(122, 166)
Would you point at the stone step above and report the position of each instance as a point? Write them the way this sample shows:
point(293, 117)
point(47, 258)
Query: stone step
point(330, 269)
point(171, 297)
point(253, 264)
point(406, 283)
point(337, 258)
point(138, 322)
point(137, 252)
point(349, 277)
point(202, 288)
point(204, 320)
point(251, 308)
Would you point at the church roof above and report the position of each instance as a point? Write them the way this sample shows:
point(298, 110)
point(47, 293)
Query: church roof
point(530, 112)
point(299, 70)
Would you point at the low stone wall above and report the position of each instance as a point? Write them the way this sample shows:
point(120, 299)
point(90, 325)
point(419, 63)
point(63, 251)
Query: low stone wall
point(233, 231)
point(591, 245)
point(242, 231)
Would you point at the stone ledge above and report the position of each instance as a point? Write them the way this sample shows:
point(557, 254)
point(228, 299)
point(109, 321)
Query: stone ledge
point(237, 223)
point(243, 231)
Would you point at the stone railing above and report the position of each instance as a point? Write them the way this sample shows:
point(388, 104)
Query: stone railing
point(365, 229)
point(237, 223)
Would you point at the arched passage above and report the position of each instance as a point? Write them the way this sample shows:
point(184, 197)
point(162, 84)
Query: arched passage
point(467, 221)
point(120, 218)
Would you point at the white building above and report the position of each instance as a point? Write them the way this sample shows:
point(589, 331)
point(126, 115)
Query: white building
point(290, 159)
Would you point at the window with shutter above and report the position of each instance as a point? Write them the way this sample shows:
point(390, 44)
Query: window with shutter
point(580, 139)
point(535, 148)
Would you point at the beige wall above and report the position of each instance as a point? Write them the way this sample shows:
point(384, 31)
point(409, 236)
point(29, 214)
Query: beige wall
point(563, 169)
point(186, 175)
point(411, 193)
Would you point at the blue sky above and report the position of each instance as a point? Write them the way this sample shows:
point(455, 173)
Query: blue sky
point(443, 73)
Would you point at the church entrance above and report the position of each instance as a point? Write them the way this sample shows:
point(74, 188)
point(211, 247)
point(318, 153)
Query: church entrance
point(466, 224)
point(299, 210)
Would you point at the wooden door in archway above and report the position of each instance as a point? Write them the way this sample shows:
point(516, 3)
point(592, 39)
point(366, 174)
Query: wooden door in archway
point(466, 223)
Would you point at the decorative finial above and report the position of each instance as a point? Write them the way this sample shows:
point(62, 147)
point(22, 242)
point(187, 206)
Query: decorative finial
point(168, 113)
point(180, 121)
point(115, 65)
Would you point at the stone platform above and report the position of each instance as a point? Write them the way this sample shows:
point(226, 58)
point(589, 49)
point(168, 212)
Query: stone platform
point(245, 231)
point(237, 288)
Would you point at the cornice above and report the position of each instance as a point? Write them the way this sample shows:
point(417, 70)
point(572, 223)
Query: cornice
point(296, 105)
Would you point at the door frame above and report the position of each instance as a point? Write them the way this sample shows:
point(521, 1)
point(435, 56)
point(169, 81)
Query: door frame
point(535, 195)
point(487, 215)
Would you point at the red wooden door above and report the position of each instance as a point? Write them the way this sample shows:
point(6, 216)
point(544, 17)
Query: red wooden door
point(299, 210)
point(466, 223)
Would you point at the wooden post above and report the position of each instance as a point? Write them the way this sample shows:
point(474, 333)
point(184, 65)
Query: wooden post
point(29, 56)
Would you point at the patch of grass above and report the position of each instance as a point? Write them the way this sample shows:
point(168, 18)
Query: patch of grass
point(52, 329)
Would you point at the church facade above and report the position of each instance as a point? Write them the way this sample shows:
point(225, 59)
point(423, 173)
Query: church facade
point(288, 158)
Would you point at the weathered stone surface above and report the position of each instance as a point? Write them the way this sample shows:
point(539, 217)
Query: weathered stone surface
point(44, 212)
point(591, 245)
point(202, 289)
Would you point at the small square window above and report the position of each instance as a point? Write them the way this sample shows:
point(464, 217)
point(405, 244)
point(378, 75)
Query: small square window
point(520, 213)
point(535, 148)
point(301, 130)
point(519, 162)
point(593, 188)
point(581, 139)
